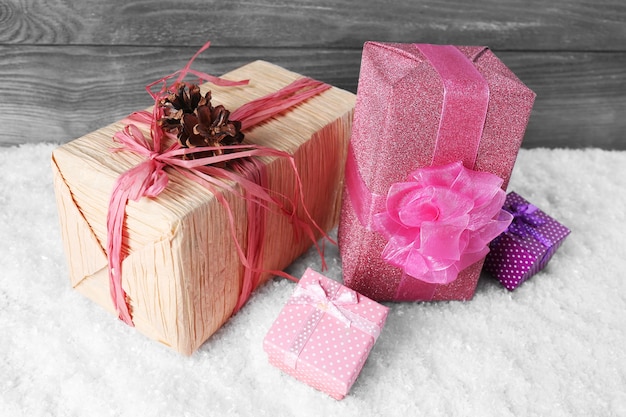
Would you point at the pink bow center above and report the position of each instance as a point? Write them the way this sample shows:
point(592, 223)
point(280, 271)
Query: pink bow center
point(441, 220)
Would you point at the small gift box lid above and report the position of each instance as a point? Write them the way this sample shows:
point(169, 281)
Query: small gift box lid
point(324, 334)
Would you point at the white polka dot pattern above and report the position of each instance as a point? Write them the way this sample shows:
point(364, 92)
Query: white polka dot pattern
point(331, 354)
point(513, 259)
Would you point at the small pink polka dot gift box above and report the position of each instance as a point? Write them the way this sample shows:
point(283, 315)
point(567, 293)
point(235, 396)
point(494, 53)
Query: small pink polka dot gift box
point(324, 334)
point(526, 246)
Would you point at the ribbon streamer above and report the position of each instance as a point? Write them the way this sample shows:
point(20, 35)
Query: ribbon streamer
point(149, 178)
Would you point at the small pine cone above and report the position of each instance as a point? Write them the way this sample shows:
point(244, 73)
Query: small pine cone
point(196, 121)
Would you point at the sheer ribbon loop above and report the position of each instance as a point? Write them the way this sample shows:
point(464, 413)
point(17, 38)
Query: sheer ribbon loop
point(525, 222)
point(314, 294)
point(441, 220)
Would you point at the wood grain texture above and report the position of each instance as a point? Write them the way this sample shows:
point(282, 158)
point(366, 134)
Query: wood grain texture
point(68, 68)
point(60, 93)
point(501, 24)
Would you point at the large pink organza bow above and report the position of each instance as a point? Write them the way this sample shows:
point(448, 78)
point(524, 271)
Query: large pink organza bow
point(149, 178)
point(441, 220)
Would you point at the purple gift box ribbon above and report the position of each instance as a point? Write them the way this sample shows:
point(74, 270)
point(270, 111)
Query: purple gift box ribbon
point(525, 222)
point(531, 236)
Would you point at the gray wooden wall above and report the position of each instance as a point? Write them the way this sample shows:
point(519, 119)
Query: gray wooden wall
point(67, 68)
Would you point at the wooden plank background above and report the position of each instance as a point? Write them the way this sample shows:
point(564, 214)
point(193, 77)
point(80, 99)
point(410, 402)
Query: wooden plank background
point(67, 68)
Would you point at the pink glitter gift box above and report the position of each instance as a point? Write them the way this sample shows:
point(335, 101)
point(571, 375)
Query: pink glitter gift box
point(423, 106)
point(527, 245)
point(324, 334)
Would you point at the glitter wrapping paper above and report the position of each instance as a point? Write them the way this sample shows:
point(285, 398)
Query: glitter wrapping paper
point(516, 256)
point(324, 349)
point(182, 273)
point(397, 116)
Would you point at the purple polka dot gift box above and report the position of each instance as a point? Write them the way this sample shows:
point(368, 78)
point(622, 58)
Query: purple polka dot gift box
point(526, 246)
point(324, 334)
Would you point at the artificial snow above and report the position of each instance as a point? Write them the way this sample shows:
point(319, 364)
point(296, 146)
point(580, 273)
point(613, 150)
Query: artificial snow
point(553, 347)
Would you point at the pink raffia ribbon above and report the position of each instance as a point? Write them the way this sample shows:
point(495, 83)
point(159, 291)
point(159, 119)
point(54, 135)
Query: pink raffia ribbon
point(441, 220)
point(335, 302)
point(150, 178)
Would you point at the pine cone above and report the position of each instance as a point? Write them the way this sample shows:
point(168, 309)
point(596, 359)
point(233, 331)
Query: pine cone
point(197, 122)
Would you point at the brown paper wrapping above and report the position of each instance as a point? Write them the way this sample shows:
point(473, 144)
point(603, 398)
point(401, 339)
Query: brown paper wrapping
point(182, 273)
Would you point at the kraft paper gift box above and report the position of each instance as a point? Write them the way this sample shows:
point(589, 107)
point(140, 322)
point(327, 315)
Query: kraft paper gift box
point(181, 271)
point(527, 246)
point(324, 334)
point(423, 106)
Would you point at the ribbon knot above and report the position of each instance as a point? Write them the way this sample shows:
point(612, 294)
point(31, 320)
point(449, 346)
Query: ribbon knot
point(525, 212)
point(525, 222)
point(313, 294)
